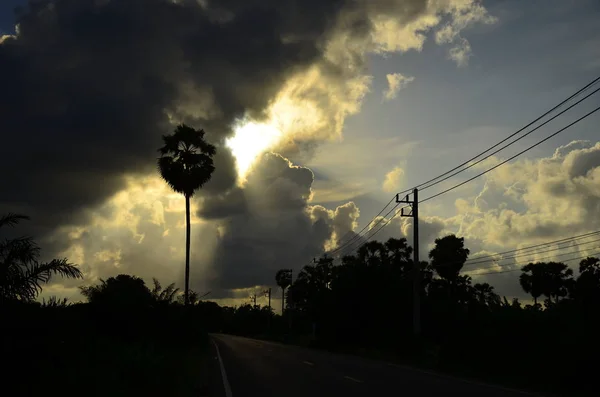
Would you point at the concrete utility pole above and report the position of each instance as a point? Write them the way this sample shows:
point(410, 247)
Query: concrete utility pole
point(290, 294)
point(414, 213)
point(267, 292)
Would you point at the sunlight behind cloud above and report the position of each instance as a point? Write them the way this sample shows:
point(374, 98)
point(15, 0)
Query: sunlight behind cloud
point(249, 141)
point(293, 114)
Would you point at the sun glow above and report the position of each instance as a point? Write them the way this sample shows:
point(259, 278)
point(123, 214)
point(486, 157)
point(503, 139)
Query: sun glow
point(250, 140)
point(298, 113)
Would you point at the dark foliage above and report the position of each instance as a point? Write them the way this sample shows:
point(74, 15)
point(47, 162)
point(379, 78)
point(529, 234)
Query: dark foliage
point(361, 305)
point(186, 160)
point(21, 274)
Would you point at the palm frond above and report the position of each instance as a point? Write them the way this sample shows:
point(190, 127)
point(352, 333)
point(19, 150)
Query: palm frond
point(168, 294)
point(186, 162)
point(40, 273)
point(20, 250)
point(12, 219)
point(53, 301)
point(156, 290)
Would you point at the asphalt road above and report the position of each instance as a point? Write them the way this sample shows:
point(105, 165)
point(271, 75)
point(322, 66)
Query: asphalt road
point(258, 368)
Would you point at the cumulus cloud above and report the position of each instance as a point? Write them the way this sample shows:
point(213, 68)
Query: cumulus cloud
point(523, 203)
point(396, 81)
point(278, 228)
point(100, 81)
point(529, 202)
point(393, 180)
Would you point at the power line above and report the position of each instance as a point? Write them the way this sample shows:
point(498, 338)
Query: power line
point(354, 246)
point(512, 157)
point(357, 235)
point(356, 238)
point(543, 252)
point(537, 245)
point(572, 239)
point(515, 270)
point(587, 86)
point(569, 239)
point(510, 143)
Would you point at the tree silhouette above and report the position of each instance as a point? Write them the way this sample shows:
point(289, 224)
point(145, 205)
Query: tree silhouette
point(587, 286)
point(485, 295)
point(531, 281)
point(194, 298)
point(122, 291)
point(186, 164)
point(283, 278)
point(551, 279)
point(21, 274)
point(399, 252)
point(311, 291)
point(165, 296)
point(448, 256)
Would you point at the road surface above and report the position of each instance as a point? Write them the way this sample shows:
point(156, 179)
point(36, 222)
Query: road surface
point(255, 368)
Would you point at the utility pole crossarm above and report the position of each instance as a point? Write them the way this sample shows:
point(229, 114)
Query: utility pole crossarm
point(414, 213)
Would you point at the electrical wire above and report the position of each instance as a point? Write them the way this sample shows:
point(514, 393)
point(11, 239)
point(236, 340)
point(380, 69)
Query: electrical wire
point(530, 253)
point(580, 91)
point(512, 157)
point(542, 258)
point(357, 235)
point(359, 243)
point(515, 270)
point(535, 246)
point(510, 143)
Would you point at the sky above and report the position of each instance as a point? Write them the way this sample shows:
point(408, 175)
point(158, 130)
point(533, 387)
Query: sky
point(321, 112)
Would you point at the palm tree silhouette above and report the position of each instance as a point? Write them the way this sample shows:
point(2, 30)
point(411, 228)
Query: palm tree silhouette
point(21, 274)
point(186, 164)
point(283, 278)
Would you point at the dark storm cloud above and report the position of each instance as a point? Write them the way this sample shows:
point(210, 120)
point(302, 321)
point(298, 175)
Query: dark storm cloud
point(277, 230)
point(86, 86)
point(89, 86)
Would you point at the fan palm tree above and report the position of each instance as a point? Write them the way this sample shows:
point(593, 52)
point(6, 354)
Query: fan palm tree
point(283, 278)
point(531, 280)
point(186, 164)
point(21, 274)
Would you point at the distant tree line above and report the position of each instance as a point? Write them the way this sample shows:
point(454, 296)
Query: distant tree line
point(365, 301)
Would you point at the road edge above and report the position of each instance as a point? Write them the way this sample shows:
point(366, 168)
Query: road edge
point(226, 384)
point(429, 372)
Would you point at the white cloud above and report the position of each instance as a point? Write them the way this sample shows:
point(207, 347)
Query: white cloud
point(393, 180)
point(464, 15)
point(461, 52)
point(532, 201)
point(396, 81)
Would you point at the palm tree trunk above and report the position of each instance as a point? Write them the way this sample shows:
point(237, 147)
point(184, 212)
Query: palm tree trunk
point(187, 250)
point(282, 300)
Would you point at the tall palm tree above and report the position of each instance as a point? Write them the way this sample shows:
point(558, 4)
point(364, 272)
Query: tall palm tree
point(186, 164)
point(531, 280)
point(21, 274)
point(283, 278)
